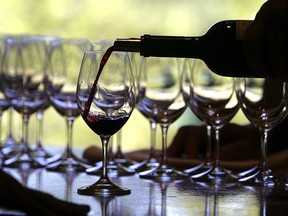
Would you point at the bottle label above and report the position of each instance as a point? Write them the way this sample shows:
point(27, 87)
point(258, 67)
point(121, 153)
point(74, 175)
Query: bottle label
point(241, 26)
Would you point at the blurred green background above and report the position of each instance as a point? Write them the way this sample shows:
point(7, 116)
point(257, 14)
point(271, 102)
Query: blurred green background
point(111, 19)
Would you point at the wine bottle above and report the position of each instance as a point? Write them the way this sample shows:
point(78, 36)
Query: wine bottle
point(220, 48)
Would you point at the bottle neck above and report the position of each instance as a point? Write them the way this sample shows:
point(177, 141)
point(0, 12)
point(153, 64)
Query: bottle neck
point(161, 46)
point(127, 45)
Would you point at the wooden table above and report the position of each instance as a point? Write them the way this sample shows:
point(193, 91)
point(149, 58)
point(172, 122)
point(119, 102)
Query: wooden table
point(152, 198)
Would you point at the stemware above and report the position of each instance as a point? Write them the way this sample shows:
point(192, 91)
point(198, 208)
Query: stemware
point(118, 164)
point(105, 102)
point(213, 99)
point(160, 93)
point(186, 91)
point(263, 102)
point(10, 143)
point(61, 83)
point(151, 161)
point(40, 151)
point(126, 165)
point(22, 80)
point(4, 105)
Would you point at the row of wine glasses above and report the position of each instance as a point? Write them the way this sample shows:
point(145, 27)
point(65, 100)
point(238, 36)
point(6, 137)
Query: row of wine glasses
point(22, 74)
point(165, 86)
point(216, 100)
point(36, 72)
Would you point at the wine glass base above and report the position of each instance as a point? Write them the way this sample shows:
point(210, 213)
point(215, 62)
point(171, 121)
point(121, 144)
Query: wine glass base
point(124, 162)
point(103, 187)
point(145, 165)
point(66, 165)
point(163, 174)
point(10, 142)
point(40, 152)
point(9, 150)
point(214, 174)
point(258, 176)
point(196, 168)
point(114, 170)
point(20, 159)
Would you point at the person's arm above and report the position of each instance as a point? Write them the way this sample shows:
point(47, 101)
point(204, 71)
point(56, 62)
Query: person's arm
point(266, 40)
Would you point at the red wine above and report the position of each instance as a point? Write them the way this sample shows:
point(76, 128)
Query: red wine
point(104, 125)
point(220, 48)
point(93, 89)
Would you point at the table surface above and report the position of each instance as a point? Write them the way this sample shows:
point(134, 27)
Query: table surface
point(151, 198)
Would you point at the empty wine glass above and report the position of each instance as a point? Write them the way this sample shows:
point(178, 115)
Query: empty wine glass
point(40, 151)
point(160, 93)
point(105, 102)
point(22, 78)
point(213, 100)
point(4, 105)
point(151, 161)
point(263, 102)
point(10, 143)
point(186, 91)
point(61, 84)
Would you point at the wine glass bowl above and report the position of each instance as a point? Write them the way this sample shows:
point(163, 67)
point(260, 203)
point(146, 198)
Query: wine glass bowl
point(106, 99)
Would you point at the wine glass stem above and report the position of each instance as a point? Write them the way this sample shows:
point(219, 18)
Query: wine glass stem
point(105, 141)
point(25, 134)
point(153, 126)
point(264, 143)
point(39, 128)
point(10, 120)
point(208, 159)
point(69, 137)
point(164, 128)
point(216, 133)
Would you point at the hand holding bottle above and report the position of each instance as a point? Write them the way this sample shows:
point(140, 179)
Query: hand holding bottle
point(266, 40)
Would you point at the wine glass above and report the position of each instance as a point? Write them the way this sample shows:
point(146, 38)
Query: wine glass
point(118, 164)
point(22, 80)
point(151, 161)
point(61, 83)
point(105, 102)
point(186, 91)
point(119, 157)
point(10, 143)
point(40, 151)
point(4, 105)
point(160, 93)
point(263, 102)
point(213, 100)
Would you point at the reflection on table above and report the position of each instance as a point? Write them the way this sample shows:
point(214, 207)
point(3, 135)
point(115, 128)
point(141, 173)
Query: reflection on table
point(152, 198)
